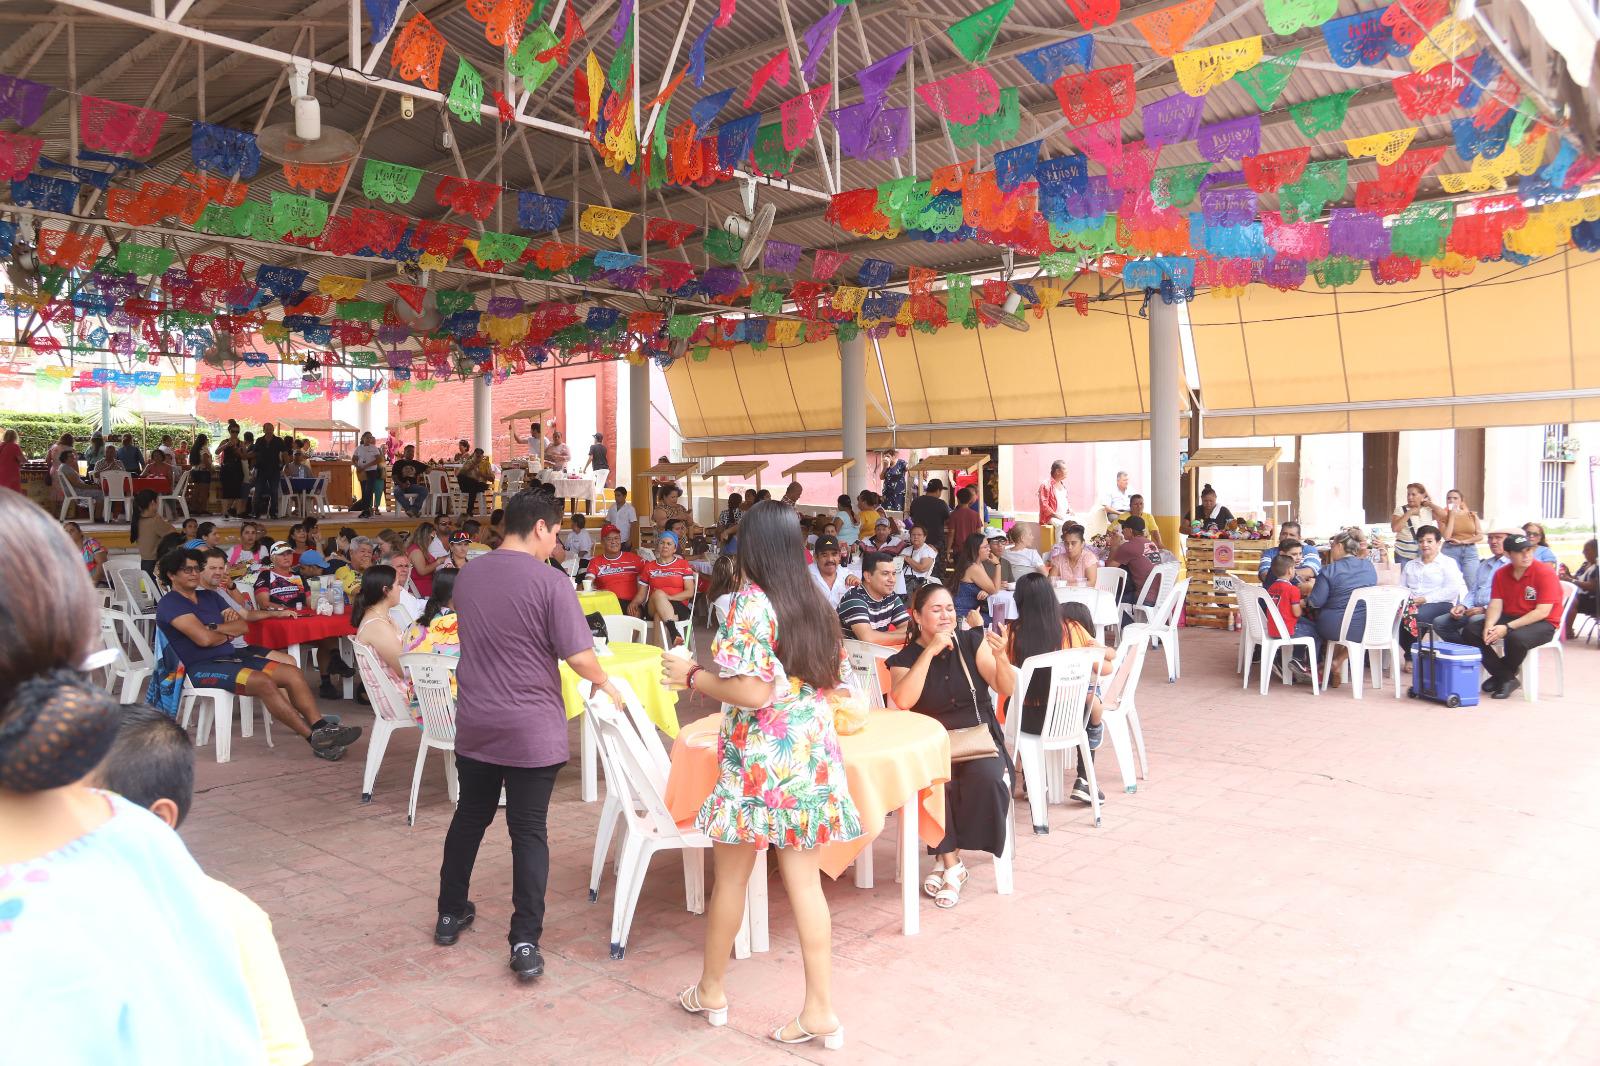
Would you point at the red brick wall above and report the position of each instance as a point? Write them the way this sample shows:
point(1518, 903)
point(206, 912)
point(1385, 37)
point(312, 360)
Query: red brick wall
point(448, 408)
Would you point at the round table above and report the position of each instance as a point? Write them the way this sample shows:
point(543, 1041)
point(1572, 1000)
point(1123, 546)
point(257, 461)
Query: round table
point(291, 630)
point(900, 760)
point(599, 601)
point(640, 666)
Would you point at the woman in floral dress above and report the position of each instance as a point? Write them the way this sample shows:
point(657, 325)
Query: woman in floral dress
point(781, 781)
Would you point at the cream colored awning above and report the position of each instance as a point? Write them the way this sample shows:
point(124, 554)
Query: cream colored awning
point(1504, 345)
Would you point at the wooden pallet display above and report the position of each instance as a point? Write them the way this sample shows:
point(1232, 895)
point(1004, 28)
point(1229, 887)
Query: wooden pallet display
point(1206, 560)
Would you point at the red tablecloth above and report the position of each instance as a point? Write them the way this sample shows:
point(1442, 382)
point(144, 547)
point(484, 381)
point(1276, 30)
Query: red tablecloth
point(279, 633)
point(158, 485)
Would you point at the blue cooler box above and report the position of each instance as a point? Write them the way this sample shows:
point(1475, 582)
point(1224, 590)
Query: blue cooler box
point(1444, 672)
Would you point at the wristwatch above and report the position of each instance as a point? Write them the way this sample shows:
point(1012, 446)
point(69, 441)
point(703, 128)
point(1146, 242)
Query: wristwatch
point(211, 625)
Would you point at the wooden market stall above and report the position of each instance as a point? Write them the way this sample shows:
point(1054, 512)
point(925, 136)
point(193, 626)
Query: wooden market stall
point(947, 465)
point(831, 467)
point(342, 490)
point(1206, 560)
point(534, 415)
point(734, 468)
point(415, 426)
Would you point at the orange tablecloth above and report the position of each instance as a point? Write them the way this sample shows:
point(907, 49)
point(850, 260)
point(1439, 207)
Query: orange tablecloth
point(158, 485)
point(280, 633)
point(898, 755)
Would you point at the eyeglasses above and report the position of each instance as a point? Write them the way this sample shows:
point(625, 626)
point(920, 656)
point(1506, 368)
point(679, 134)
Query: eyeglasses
point(190, 569)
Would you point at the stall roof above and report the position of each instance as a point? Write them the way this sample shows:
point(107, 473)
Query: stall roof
point(964, 464)
point(526, 413)
point(1235, 457)
point(831, 467)
point(320, 425)
point(738, 468)
point(672, 470)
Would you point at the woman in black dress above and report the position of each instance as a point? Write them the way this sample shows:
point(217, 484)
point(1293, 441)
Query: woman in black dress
point(230, 454)
point(946, 673)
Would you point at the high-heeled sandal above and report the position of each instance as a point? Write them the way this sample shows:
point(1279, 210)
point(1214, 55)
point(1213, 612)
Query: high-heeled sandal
point(689, 1000)
point(954, 877)
point(832, 1041)
point(933, 882)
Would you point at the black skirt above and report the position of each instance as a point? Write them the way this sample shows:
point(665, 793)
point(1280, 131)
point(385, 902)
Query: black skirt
point(232, 481)
point(977, 806)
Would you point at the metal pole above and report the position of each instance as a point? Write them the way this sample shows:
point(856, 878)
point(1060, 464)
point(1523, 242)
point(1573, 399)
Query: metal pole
point(853, 410)
point(1165, 382)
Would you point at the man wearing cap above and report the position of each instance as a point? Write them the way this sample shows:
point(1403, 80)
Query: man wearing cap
point(1138, 555)
point(1524, 600)
point(1054, 507)
point(616, 571)
point(281, 589)
point(929, 513)
point(833, 579)
point(1452, 627)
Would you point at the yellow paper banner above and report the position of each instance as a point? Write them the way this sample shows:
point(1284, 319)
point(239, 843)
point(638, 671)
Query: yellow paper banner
point(1203, 69)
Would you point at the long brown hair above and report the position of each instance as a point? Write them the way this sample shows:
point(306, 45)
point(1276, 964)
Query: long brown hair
point(49, 613)
point(771, 555)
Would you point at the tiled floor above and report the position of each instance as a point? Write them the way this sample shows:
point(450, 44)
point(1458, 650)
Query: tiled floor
point(1299, 881)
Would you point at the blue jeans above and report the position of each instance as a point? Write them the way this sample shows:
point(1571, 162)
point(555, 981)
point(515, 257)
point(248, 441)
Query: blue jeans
point(1466, 557)
point(412, 497)
point(371, 494)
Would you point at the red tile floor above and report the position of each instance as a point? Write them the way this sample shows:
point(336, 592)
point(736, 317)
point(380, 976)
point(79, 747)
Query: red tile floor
point(1299, 880)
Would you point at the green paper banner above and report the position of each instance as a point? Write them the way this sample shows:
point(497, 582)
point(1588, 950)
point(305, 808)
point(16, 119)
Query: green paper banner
point(1266, 80)
point(1000, 126)
point(974, 35)
point(466, 93)
point(1322, 115)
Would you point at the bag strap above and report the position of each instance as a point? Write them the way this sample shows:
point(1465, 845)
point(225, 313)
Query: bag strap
point(971, 688)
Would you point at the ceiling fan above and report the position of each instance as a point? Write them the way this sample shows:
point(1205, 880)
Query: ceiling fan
point(306, 140)
point(753, 227)
point(1002, 314)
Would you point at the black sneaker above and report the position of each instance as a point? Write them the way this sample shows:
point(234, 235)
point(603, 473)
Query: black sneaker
point(333, 754)
point(1080, 791)
point(448, 928)
point(1504, 691)
point(336, 736)
point(526, 962)
point(329, 691)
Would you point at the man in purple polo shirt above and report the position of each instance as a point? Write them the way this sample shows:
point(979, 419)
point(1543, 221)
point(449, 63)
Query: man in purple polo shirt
point(518, 617)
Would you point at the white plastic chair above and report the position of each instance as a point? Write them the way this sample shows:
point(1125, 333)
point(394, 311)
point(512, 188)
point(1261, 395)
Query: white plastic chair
point(1255, 608)
point(1147, 606)
point(390, 711)
point(439, 494)
point(1043, 756)
point(658, 764)
point(175, 497)
point(1122, 720)
point(864, 671)
point(1379, 636)
point(431, 676)
point(1163, 627)
point(134, 591)
point(1111, 579)
point(71, 499)
point(1530, 665)
point(648, 826)
point(512, 482)
point(116, 484)
point(625, 629)
point(1090, 598)
point(216, 706)
point(135, 662)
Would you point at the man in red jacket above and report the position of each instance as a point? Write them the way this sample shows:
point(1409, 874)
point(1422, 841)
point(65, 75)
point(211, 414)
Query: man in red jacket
point(614, 570)
point(1524, 605)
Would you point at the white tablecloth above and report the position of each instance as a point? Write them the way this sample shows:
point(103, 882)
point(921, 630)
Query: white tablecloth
point(570, 488)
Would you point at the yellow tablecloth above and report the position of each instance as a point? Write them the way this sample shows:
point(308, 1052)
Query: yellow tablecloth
point(599, 602)
point(640, 666)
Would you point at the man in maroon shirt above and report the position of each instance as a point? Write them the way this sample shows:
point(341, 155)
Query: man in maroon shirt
point(1524, 604)
point(1138, 555)
point(964, 521)
point(518, 617)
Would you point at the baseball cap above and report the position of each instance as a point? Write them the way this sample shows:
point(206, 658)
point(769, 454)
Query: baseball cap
point(993, 534)
point(826, 543)
point(608, 529)
point(1133, 522)
point(279, 547)
point(1516, 542)
point(460, 538)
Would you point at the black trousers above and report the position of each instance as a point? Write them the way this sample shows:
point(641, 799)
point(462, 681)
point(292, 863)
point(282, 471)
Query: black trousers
point(527, 813)
point(1504, 668)
point(473, 490)
point(266, 505)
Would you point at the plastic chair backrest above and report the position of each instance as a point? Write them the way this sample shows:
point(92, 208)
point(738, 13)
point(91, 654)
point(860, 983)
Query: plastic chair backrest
point(1070, 673)
point(124, 561)
point(431, 675)
point(1126, 668)
point(514, 479)
point(1569, 602)
point(1160, 579)
point(1090, 598)
point(116, 484)
point(625, 630)
point(1111, 579)
point(128, 637)
point(402, 615)
point(864, 678)
point(1254, 607)
point(1166, 610)
point(183, 483)
point(628, 772)
point(388, 702)
point(659, 762)
point(437, 483)
point(1382, 623)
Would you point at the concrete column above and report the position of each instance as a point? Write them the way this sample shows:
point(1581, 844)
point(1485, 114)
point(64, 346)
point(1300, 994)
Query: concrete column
point(853, 411)
point(482, 415)
point(639, 440)
point(1165, 382)
point(105, 417)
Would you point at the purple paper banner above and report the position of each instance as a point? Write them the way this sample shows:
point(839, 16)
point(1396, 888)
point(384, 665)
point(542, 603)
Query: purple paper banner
point(816, 38)
point(1356, 234)
point(781, 257)
point(1173, 119)
point(1228, 207)
point(1234, 139)
point(876, 79)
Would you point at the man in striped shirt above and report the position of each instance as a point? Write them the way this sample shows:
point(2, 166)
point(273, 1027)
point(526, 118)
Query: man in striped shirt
point(871, 611)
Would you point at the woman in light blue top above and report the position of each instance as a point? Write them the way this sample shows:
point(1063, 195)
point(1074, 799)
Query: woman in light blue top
point(1541, 548)
point(1345, 573)
point(112, 947)
point(845, 517)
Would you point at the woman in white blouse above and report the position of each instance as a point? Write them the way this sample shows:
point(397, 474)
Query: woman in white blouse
point(1434, 581)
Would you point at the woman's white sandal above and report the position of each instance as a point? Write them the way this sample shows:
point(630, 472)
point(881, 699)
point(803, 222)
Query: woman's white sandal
point(948, 896)
point(933, 882)
point(689, 1000)
point(832, 1041)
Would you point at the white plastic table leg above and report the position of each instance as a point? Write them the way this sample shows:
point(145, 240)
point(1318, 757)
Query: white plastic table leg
point(910, 882)
point(586, 756)
point(756, 903)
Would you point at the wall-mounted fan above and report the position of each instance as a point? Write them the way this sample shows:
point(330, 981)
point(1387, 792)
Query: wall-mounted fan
point(22, 269)
point(427, 319)
point(306, 140)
